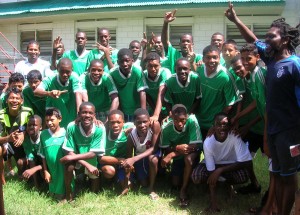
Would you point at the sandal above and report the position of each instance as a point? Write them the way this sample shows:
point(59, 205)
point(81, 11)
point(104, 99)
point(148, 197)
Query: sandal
point(183, 202)
point(153, 196)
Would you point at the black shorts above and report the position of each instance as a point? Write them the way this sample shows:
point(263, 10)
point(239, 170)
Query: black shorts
point(16, 152)
point(255, 141)
point(279, 145)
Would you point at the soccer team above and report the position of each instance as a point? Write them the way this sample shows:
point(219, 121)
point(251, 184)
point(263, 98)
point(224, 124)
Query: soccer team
point(107, 114)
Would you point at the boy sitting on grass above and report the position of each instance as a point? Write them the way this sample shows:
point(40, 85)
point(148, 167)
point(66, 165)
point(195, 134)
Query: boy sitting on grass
point(51, 141)
point(31, 146)
point(115, 148)
point(181, 138)
point(226, 157)
point(142, 143)
point(83, 143)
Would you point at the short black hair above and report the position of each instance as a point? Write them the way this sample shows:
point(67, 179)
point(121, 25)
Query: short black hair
point(221, 114)
point(210, 48)
point(86, 104)
point(140, 111)
point(103, 29)
point(231, 42)
point(152, 56)
point(181, 59)
point(186, 35)
point(52, 111)
point(37, 117)
point(179, 109)
point(116, 111)
point(134, 41)
point(123, 52)
point(33, 42)
point(64, 61)
point(96, 61)
point(16, 77)
point(249, 47)
point(217, 33)
point(14, 90)
point(235, 59)
point(34, 74)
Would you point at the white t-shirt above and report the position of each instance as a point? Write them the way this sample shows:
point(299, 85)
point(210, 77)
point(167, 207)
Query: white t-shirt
point(232, 150)
point(24, 67)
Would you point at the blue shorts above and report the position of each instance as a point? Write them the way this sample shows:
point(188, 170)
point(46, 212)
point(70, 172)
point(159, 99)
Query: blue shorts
point(279, 145)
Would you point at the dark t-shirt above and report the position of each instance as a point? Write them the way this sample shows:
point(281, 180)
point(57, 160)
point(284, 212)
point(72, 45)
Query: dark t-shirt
point(283, 91)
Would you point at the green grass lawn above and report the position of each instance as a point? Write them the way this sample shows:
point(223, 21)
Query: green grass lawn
point(21, 199)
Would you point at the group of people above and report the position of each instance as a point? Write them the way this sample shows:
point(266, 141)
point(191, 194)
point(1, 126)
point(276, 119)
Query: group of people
point(120, 117)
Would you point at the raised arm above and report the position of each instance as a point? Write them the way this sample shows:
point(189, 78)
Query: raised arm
point(246, 33)
point(169, 17)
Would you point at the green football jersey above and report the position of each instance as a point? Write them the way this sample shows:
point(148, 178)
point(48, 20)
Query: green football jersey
point(79, 61)
point(165, 63)
point(66, 102)
point(79, 143)
point(258, 89)
point(99, 93)
point(51, 150)
point(118, 148)
point(31, 148)
point(217, 93)
point(190, 134)
point(36, 103)
point(173, 55)
point(238, 84)
point(97, 54)
point(176, 93)
point(129, 88)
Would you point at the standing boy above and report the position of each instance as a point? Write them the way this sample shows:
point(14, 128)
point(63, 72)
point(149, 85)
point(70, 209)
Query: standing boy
point(99, 88)
point(130, 84)
point(84, 143)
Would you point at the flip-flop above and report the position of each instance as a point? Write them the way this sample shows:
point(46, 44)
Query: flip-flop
point(184, 202)
point(153, 196)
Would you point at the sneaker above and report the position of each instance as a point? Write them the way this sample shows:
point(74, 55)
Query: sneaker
point(250, 188)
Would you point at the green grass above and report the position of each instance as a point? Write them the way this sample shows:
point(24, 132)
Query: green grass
point(20, 199)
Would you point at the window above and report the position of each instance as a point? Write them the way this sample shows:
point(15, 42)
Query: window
point(175, 33)
point(91, 34)
point(44, 37)
point(233, 33)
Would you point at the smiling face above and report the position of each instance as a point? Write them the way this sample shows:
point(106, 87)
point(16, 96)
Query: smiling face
point(96, 71)
point(33, 52)
point(14, 101)
point(217, 40)
point(115, 123)
point(211, 61)
point(249, 60)
point(158, 45)
point(86, 115)
point(239, 69)
point(221, 128)
point(142, 123)
point(183, 69)
point(229, 52)
point(52, 122)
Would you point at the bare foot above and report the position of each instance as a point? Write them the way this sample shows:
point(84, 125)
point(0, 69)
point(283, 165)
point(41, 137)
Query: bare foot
point(153, 196)
point(124, 192)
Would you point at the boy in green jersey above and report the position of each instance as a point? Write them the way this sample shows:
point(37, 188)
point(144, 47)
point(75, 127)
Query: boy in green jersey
point(103, 51)
point(37, 104)
point(155, 77)
point(130, 83)
point(186, 45)
point(99, 88)
point(79, 55)
point(63, 91)
point(84, 143)
point(229, 51)
point(181, 138)
point(51, 141)
point(142, 151)
point(16, 80)
point(31, 146)
point(218, 40)
point(183, 87)
point(135, 47)
point(116, 147)
point(13, 120)
point(218, 94)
